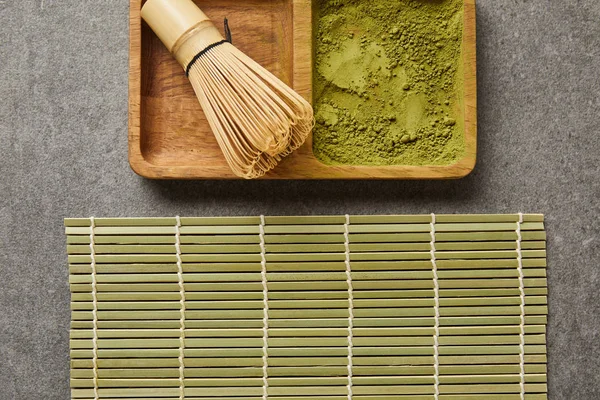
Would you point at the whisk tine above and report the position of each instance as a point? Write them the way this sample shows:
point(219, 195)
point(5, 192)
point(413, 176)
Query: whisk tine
point(256, 118)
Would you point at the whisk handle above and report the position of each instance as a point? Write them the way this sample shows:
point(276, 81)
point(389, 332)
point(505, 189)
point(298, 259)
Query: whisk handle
point(173, 19)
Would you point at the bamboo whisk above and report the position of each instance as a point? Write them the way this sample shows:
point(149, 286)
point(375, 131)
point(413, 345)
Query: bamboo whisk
point(256, 118)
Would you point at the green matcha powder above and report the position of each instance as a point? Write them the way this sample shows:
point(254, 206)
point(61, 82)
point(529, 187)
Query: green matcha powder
point(388, 82)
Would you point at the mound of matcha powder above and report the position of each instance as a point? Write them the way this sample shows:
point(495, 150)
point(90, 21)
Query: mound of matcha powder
point(388, 81)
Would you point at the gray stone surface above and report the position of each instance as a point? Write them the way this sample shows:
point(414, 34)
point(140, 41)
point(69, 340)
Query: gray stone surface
point(63, 136)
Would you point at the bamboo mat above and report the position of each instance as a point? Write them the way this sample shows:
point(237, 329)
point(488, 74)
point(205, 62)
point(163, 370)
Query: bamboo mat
point(420, 307)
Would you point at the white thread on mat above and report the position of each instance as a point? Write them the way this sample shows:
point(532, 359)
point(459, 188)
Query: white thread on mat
point(263, 273)
point(436, 292)
point(522, 294)
point(94, 307)
point(350, 305)
point(182, 309)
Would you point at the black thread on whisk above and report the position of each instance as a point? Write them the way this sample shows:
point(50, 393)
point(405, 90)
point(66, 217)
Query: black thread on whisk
point(227, 31)
point(209, 48)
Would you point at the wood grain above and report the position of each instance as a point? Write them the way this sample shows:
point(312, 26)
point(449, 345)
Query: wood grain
point(169, 137)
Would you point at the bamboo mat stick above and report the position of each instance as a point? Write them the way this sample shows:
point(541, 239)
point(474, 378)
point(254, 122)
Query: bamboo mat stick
point(355, 238)
point(312, 381)
point(315, 390)
point(291, 342)
point(306, 332)
point(308, 295)
point(311, 323)
point(304, 229)
point(302, 257)
point(132, 285)
point(312, 313)
point(144, 366)
point(138, 249)
point(376, 397)
point(309, 276)
point(294, 220)
point(85, 268)
point(427, 350)
point(470, 371)
point(320, 322)
point(300, 304)
point(136, 301)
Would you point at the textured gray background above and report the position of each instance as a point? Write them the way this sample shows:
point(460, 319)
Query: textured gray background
point(63, 136)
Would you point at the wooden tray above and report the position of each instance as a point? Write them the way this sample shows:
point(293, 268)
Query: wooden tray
point(169, 137)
